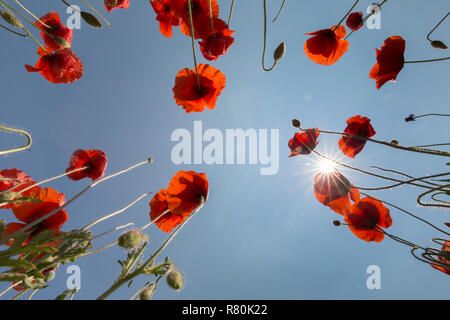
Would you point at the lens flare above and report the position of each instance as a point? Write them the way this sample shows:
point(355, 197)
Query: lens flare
point(326, 166)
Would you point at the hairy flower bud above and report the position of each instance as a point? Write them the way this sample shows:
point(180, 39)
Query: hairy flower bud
point(91, 20)
point(174, 279)
point(49, 276)
point(11, 19)
point(131, 239)
point(9, 196)
point(146, 294)
point(279, 51)
point(438, 44)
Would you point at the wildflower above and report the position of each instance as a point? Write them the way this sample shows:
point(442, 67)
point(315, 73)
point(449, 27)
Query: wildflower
point(326, 46)
point(95, 160)
point(303, 142)
point(356, 126)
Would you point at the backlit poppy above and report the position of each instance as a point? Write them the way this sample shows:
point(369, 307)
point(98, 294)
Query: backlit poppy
point(168, 221)
point(444, 257)
point(303, 142)
point(356, 126)
point(390, 61)
point(355, 21)
point(45, 201)
point(326, 46)
point(200, 14)
point(193, 98)
point(95, 160)
point(116, 4)
point(367, 217)
point(20, 182)
point(165, 17)
point(333, 190)
point(61, 66)
point(55, 34)
point(185, 191)
point(218, 42)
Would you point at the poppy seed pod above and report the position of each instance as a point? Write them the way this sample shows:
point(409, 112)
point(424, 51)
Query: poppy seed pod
point(91, 20)
point(279, 52)
point(131, 239)
point(296, 123)
point(11, 19)
point(146, 294)
point(394, 142)
point(175, 279)
point(337, 223)
point(438, 44)
point(410, 118)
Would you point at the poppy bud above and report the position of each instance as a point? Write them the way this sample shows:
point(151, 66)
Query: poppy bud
point(9, 196)
point(279, 51)
point(175, 279)
point(447, 224)
point(49, 276)
point(337, 223)
point(410, 118)
point(131, 239)
point(394, 142)
point(150, 160)
point(11, 19)
point(296, 123)
point(91, 20)
point(438, 44)
point(62, 42)
point(146, 294)
point(111, 2)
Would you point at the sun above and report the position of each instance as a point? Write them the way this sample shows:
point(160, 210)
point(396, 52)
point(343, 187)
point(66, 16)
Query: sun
point(326, 166)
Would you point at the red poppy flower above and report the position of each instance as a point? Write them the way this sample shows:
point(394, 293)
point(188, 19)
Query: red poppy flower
point(444, 257)
point(116, 4)
point(165, 17)
point(45, 201)
point(327, 46)
point(356, 126)
point(95, 160)
point(303, 142)
point(200, 14)
point(333, 190)
point(158, 205)
point(218, 43)
point(56, 36)
point(61, 66)
point(185, 191)
point(367, 217)
point(355, 21)
point(20, 182)
point(390, 61)
point(190, 96)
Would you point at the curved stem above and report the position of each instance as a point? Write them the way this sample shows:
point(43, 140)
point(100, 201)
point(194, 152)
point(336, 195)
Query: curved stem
point(403, 174)
point(404, 182)
point(231, 12)
point(432, 30)
point(23, 132)
point(408, 213)
point(90, 225)
point(432, 204)
point(12, 31)
point(31, 14)
point(279, 11)
point(265, 41)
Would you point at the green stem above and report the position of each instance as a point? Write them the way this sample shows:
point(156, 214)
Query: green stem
point(430, 60)
point(349, 11)
point(23, 132)
point(12, 31)
point(191, 22)
point(231, 12)
point(428, 36)
point(279, 11)
point(265, 41)
point(31, 14)
point(119, 282)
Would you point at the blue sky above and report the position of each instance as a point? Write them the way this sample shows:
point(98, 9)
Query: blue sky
point(258, 237)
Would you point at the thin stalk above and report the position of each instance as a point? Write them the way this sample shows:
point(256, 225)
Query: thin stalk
point(231, 12)
point(265, 41)
point(96, 12)
point(432, 30)
point(429, 60)
point(364, 20)
point(349, 11)
point(191, 22)
point(32, 14)
point(23, 132)
point(279, 11)
point(12, 31)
